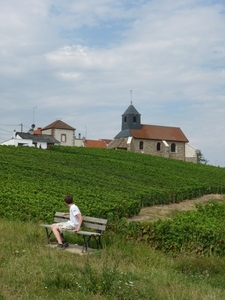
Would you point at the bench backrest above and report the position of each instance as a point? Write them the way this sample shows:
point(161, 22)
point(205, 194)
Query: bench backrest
point(88, 222)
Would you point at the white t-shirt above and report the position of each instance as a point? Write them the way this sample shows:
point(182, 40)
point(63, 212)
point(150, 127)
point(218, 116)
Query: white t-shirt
point(74, 211)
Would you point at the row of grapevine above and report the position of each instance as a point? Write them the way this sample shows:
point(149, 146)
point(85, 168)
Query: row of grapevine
point(34, 181)
point(200, 232)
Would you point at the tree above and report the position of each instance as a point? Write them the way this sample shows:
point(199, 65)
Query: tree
point(200, 158)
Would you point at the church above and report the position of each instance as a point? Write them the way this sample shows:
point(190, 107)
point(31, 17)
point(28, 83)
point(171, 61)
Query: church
point(163, 141)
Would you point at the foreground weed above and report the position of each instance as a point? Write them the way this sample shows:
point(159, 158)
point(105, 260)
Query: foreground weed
point(211, 270)
point(124, 270)
point(106, 281)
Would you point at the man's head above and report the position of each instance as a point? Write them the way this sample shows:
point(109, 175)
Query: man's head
point(68, 199)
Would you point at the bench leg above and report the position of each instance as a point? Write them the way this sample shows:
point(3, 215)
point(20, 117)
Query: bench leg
point(85, 244)
point(48, 234)
point(99, 243)
point(86, 241)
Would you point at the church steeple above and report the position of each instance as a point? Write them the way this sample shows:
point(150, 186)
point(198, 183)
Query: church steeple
point(131, 119)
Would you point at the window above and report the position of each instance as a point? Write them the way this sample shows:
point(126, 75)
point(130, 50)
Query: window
point(158, 146)
point(134, 119)
point(125, 119)
point(63, 138)
point(141, 145)
point(173, 147)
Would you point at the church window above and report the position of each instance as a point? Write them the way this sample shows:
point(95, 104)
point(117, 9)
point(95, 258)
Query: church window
point(158, 146)
point(141, 145)
point(173, 147)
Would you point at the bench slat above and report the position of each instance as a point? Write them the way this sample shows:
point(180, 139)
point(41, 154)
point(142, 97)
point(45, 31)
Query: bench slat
point(89, 233)
point(84, 224)
point(61, 214)
point(59, 220)
point(45, 225)
point(95, 220)
point(93, 226)
point(85, 218)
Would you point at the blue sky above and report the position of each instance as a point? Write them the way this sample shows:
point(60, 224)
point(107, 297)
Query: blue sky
point(78, 60)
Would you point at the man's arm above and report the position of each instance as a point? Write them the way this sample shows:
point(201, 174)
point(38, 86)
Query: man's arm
point(79, 224)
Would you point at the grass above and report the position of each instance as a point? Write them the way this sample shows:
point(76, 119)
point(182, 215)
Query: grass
point(122, 270)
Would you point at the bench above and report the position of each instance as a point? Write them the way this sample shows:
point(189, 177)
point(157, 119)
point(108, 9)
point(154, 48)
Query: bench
point(91, 227)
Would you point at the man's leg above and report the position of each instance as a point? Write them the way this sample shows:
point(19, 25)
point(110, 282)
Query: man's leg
point(62, 237)
point(56, 232)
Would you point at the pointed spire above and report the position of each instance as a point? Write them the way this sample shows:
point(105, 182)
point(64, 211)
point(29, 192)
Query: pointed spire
point(131, 97)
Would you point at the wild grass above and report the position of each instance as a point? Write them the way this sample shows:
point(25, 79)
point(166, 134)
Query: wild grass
point(122, 270)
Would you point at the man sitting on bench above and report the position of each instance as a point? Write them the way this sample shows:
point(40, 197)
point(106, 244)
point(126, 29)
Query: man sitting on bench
point(73, 224)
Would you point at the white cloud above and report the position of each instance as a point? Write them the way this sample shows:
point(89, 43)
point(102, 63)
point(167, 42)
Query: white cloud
point(79, 60)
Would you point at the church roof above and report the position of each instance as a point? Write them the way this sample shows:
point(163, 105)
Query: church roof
point(120, 143)
point(123, 133)
point(131, 110)
point(156, 132)
point(58, 124)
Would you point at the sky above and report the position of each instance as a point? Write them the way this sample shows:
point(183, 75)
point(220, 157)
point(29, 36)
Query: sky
point(83, 62)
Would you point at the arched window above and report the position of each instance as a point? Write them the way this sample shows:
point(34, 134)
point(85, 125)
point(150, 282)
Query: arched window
point(173, 147)
point(141, 145)
point(158, 146)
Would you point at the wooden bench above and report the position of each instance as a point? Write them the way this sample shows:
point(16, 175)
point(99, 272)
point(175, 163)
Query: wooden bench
point(91, 227)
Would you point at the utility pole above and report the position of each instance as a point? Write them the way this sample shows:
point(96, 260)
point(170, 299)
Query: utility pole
point(33, 114)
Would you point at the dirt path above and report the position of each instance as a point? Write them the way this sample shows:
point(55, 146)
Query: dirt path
point(153, 213)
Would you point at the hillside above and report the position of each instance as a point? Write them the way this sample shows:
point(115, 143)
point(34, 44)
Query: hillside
point(132, 264)
point(105, 183)
point(153, 213)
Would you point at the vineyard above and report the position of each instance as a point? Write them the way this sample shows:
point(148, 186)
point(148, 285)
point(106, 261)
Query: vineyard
point(104, 183)
point(115, 185)
point(200, 232)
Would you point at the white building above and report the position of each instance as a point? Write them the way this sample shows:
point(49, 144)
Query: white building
point(31, 140)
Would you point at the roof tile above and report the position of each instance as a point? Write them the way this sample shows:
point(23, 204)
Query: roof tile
point(38, 137)
point(95, 144)
point(58, 124)
point(155, 132)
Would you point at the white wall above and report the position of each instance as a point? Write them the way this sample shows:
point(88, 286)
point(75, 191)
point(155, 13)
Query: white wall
point(16, 141)
point(79, 142)
point(69, 136)
point(190, 151)
point(42, 145)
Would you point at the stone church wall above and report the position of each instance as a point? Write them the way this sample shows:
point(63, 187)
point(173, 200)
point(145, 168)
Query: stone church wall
point(150, 147)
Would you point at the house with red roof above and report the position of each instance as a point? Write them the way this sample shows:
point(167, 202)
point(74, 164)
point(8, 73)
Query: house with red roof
point(61, 131)
point(164, 141)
